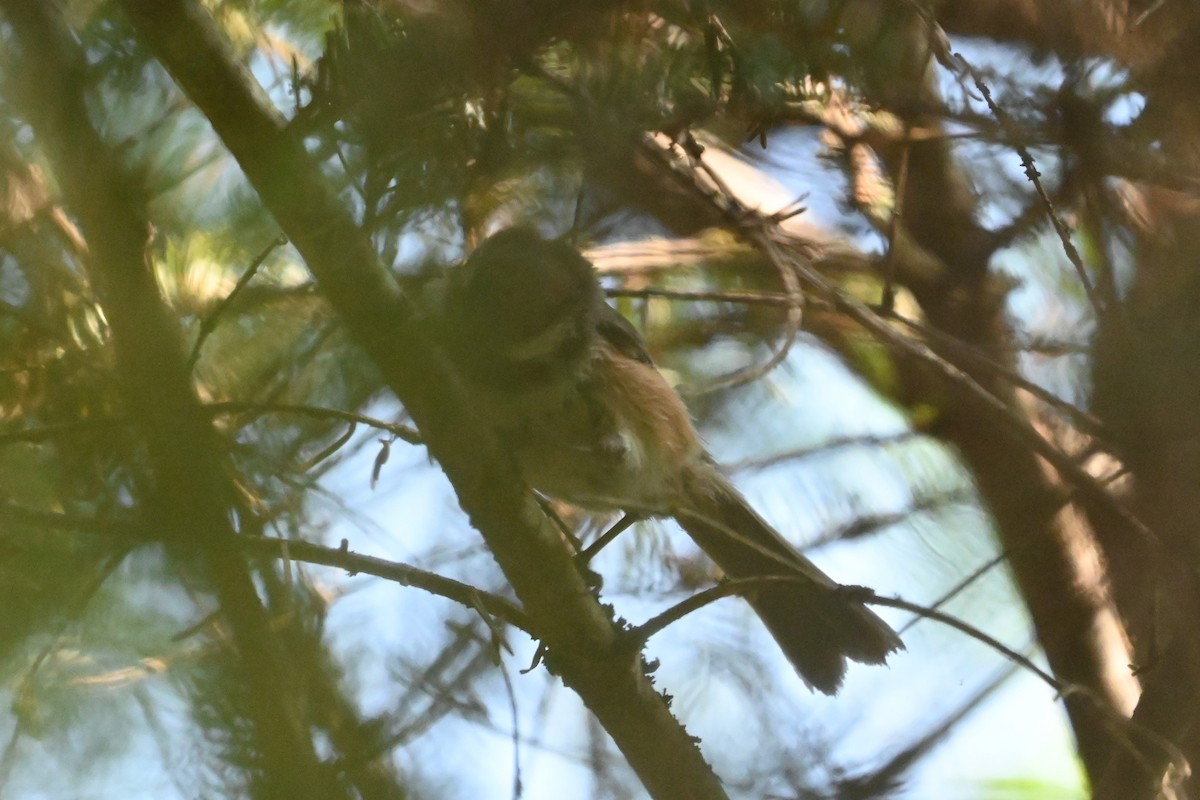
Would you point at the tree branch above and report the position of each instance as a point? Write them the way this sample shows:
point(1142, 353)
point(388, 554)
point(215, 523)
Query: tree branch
point(403, 574)
point(187, 492)
point(578, 632)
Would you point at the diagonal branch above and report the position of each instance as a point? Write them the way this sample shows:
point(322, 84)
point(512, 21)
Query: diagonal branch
point(1073, 612)
point(187, 489)
point(403, 574)
point(578, 632)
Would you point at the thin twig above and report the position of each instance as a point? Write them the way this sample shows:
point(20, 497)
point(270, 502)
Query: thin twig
point(395, 571)
point(879, 781)
point(757, 230)
point(745, 298)
point(1018, 427)
point(957, 588)
point(133, 532)
point(722, 198)
point(868, 523)
point(1084, 421)
point(1121, 725)
point(969, 352)
point(825, 447)
point(333, 447)
point(209, 323)
point(956, 63)
point(518, 787)
point(1031, 172)
point(402, 432)
point(860, 594)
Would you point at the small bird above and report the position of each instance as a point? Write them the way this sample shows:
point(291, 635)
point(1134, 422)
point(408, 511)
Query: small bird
point(568, 384)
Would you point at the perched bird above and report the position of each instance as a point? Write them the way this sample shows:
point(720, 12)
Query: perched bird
point(568, 384)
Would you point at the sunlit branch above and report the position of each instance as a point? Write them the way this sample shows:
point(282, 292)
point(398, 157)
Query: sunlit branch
point(209, 323)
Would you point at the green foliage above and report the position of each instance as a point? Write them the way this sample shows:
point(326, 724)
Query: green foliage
point(438, 122)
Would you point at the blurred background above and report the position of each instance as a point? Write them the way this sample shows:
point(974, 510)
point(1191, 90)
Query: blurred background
point(985, 405)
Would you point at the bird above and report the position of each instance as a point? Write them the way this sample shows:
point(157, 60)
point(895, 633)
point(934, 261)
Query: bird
point(569, 386)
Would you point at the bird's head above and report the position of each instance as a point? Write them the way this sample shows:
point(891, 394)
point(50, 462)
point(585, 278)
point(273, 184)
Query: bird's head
point(524, 311)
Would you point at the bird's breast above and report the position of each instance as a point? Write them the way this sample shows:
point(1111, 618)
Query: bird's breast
point(620, 439)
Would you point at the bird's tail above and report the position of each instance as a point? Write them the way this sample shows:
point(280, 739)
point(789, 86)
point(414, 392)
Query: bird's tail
point(817, 626)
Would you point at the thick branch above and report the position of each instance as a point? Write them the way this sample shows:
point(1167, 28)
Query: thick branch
point(189, 493)
point(579, 633)
point(1052, 549)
